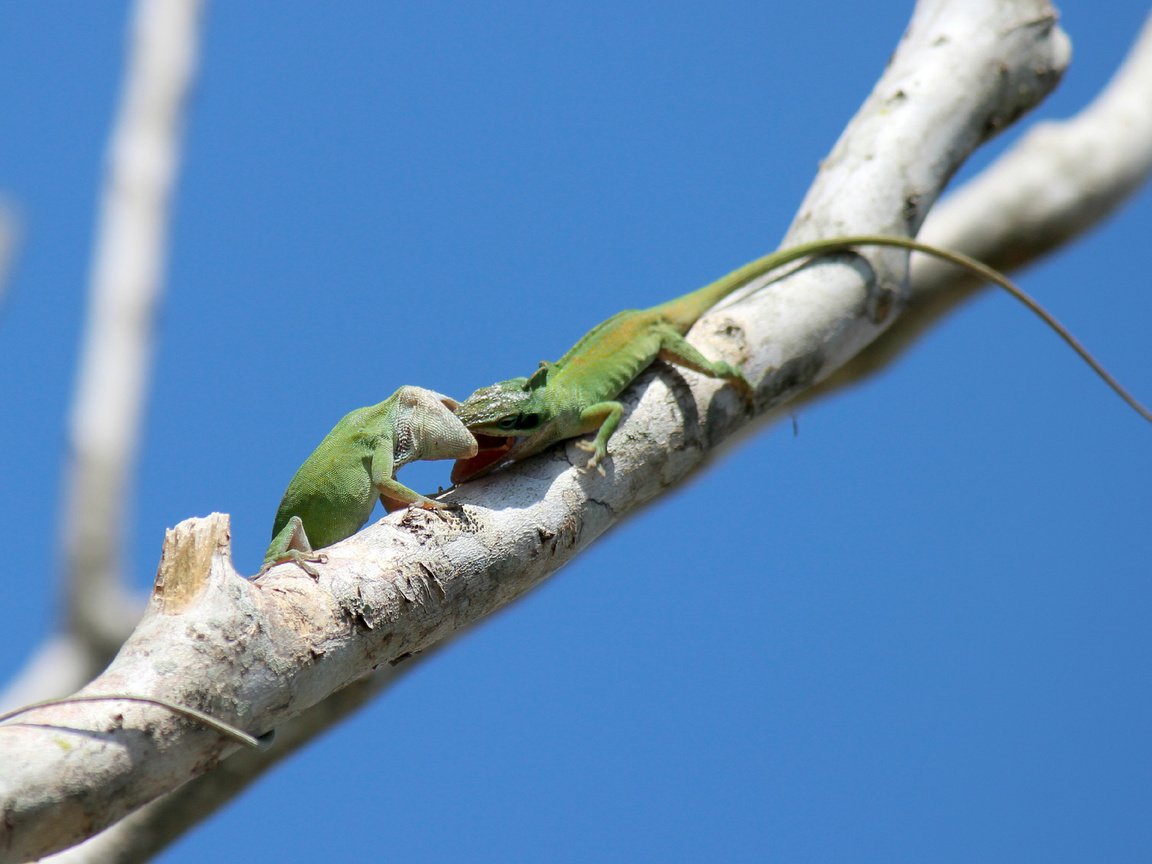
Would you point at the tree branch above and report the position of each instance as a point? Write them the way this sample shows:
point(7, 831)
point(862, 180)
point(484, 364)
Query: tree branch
point(1061, 180)
point(258, 653)
point(9, 239)
point(125, 288)
point(116, 358)
point(1111, 140)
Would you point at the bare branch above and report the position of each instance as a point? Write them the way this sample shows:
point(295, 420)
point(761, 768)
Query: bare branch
point(9, 236)
point(59, 665)
point(116, 359)
point(150, 829)
point(259, 653)
point(1060, 180)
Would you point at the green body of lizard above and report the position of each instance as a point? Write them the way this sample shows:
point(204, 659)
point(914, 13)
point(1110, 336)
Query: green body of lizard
point(520, 417)
point(333, 493)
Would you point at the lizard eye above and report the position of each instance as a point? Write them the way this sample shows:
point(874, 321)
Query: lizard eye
point(518, 422)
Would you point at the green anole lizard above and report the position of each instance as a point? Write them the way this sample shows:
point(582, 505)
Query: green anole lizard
point(332, 495)
point(333, 492)
point(520, 417)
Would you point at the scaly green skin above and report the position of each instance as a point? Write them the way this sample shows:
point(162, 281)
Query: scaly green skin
point(577, 394)
point(333, 493)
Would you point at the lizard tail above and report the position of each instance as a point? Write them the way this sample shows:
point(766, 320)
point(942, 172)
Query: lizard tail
point(684, 311)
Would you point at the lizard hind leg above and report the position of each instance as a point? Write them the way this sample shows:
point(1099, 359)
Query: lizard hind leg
point(677, 350)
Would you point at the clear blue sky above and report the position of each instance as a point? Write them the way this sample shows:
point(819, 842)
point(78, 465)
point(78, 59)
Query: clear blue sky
point(918, 631)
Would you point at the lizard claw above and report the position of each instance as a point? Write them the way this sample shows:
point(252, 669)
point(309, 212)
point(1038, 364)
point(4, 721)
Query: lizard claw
point(434, 505)
point(319, 558)
point(599, 454)
point(439, 511)
point(300, 559)
point(309, 569)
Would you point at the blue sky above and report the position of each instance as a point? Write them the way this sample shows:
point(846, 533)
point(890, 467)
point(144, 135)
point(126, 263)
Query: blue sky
point(916, 631)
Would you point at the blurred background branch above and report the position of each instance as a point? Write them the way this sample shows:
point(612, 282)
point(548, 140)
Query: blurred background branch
point(125, 289)
point(9, 240)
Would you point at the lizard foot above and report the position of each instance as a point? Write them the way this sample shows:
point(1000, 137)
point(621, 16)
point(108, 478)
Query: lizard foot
point(420, 502)
point(595, 461)
point(300, 559)
point(437, 510)
point(434, 505)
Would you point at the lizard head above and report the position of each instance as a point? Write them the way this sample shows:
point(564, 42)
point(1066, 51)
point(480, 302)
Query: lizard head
point(499, 416)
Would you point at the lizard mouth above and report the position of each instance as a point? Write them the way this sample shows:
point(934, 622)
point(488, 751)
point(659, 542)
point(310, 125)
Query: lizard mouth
point(491, 450)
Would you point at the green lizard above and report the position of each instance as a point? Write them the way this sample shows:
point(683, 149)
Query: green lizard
point(520, 417)
point(334, 491)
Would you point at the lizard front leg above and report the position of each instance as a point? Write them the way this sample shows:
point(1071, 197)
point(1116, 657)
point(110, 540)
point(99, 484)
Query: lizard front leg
point(603, 417)
point(291, 544)
point(394, 495)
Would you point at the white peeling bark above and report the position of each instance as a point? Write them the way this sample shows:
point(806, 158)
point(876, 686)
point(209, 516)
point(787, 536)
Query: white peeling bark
point(150, 829)
point(259, 653)
point(1061, 179)
point(950, 86)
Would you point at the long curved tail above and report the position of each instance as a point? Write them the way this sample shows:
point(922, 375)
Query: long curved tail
point(685, 310)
